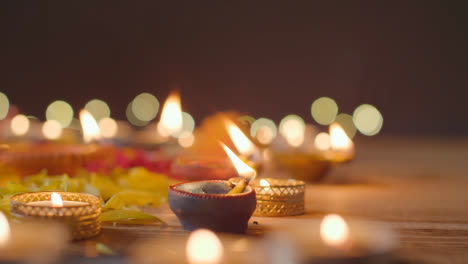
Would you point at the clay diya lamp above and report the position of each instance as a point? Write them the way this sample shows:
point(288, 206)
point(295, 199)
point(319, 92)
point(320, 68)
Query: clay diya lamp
point(202, 168)
point(313, 166)
point(215, 204)
point(216, 211)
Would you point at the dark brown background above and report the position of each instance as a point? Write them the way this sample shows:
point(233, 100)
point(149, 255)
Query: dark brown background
point(408, 58)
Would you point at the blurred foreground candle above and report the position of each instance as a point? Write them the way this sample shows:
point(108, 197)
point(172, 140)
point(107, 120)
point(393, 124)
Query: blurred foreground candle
point(336, 240)
point(204, 247)
point(31, 242)
point(79, 212)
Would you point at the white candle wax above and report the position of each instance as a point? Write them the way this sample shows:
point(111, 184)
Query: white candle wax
point(49, 203)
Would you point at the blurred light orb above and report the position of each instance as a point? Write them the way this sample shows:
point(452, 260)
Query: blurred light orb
point(108, 127)
point(203, 246)
point(4, 106)
point(188, 123)
point(367, 119)
point(19, 125)
point(346, 122)
point(145, 106)
point(132, 118)
point(324, 110)
point(60, 111)
point(322, 141)
point(98, 109)
point(292, 128)
point(52, 129)
point(186, 139)
point(264, 130)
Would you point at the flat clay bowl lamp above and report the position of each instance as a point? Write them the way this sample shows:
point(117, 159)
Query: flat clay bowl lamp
point(215, 204)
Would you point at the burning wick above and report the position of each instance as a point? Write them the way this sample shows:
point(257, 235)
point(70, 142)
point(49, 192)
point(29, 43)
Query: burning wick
point(245, 172)
point(56, 200)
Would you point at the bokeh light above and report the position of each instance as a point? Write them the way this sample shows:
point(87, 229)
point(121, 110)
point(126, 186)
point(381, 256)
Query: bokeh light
point(145, 106)
point(264, 130)
point(322, 141)
point(292, 128)
point(19, 125)
point(60, 111)
point(324, 110)
point(98, 108)
point(4, 105)
point(52, 129)
point(188, 123)
point(346, 122)
point(132, 118)
point(367, 119)
point(108, 127)
point(186, 139)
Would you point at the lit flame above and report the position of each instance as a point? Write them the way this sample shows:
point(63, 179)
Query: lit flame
point(240, 140)
point(203, 246)
point(334, 231)
point(264, 183)
point(171, 116)
point(56, 200)
point(243, 169)
point(4, 230)
point(89, 126)
point(339, 140)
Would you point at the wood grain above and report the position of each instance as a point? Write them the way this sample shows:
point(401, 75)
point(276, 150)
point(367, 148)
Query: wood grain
point(417, 186)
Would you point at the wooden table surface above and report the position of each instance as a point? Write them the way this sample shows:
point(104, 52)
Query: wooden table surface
point(417, 186)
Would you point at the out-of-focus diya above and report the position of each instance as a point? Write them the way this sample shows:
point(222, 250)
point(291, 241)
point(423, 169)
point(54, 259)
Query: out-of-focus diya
point(311, 163)
point(55, 158)
point(216, 205)
point(202, 168)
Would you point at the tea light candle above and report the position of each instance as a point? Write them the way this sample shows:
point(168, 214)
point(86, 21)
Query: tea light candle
point(56, 201)
point(278, 197)
point(78, 211)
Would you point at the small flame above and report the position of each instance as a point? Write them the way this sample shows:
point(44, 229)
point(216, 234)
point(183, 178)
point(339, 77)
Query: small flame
point(264, 183)
point(89, 126)
point(171, 116)
point(4, 230)
point(334, 230)
point(203, 246)
point(240, 140)
point(56, 200)
point(243, 169)
point(339, 140)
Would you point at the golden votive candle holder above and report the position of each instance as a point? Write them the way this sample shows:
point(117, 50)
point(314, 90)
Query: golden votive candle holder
point(278, 197)
point(80, 212)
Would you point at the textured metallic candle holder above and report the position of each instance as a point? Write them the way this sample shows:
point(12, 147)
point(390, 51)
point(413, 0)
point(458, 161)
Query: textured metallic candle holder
point(283, 197)
point(82, 220)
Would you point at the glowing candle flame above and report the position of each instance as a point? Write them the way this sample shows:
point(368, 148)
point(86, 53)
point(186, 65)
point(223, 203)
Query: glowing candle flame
point(171, 116)
point(334, 231)
point(89, 126)
point(243, 169)
point(264, 183)
point(240, 140)
point(203, 246)
point(4, 230)
point(56, 200)
point(339, 140)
